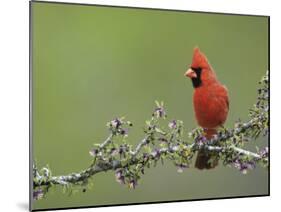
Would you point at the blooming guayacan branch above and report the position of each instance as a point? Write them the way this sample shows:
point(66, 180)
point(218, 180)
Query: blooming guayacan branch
point(165, 140)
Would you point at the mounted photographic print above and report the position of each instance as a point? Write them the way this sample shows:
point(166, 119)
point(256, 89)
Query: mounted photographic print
point(138, 105)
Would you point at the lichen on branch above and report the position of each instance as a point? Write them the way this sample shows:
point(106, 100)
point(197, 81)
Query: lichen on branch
point(165, 140)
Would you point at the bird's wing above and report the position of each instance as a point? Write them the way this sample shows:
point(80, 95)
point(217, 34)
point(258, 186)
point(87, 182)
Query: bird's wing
point(225, 95)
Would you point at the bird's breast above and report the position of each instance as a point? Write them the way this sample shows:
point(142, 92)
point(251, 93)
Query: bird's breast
point(210, 105)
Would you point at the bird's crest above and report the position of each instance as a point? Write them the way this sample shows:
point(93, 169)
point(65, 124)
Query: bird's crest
point(199, 60)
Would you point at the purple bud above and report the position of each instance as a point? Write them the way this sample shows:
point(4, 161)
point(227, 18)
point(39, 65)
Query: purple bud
point(201, 140)
point(264, 152)
point(159, 112)
point(244, 166)
point(118, 173)
point(113, 151)
point(121, 180)
point(173, 124)
point(39, 194)
point(116, 123)
point(93, 152)
point(156, 153)
point(119, 176)
point(132, 184)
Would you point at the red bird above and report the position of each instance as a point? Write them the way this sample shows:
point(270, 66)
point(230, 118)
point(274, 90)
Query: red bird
point(210, 102)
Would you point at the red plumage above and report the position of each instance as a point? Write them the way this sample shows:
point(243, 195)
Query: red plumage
point(210, 102)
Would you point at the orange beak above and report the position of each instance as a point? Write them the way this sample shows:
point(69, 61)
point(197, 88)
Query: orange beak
point(190, 73)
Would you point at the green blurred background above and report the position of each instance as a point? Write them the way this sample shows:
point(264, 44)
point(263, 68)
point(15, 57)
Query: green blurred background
point(94, 63)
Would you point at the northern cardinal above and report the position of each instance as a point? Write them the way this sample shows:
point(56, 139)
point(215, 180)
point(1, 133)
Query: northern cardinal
point(210, 102)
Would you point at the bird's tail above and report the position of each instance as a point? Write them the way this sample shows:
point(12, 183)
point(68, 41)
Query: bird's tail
point(206, 159)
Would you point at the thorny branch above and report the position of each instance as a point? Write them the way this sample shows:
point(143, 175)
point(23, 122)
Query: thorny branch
point(166, 143)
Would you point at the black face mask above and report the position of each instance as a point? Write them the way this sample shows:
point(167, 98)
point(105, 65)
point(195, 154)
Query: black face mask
point(196, 81)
